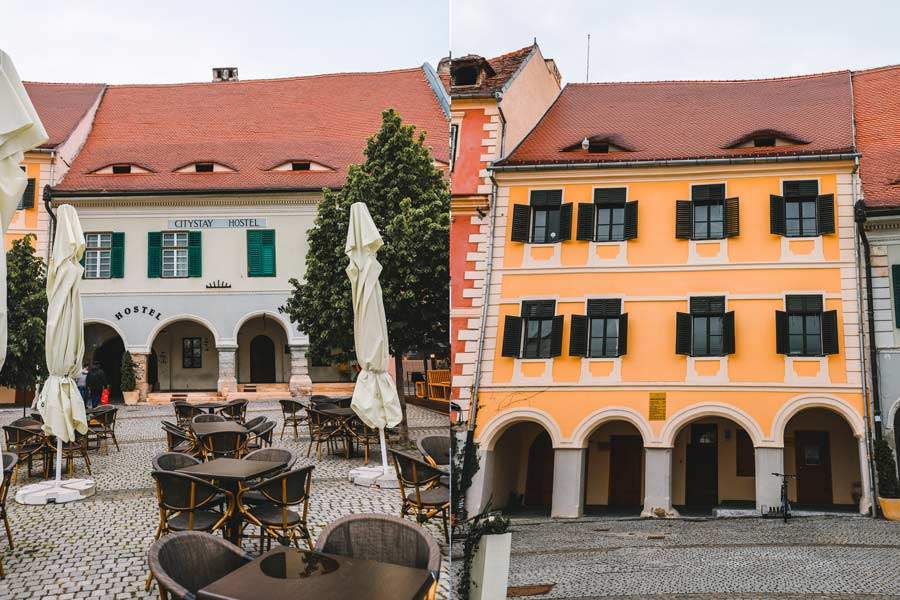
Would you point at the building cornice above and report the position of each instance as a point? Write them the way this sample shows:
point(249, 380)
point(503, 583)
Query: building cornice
point(181, 200)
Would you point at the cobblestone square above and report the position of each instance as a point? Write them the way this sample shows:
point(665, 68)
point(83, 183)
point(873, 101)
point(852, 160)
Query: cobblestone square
point(97, 548)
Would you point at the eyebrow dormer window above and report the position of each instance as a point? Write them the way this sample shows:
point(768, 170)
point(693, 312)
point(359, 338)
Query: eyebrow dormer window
point(203, 168)
point(121, 169)
point(598, 147)
point(300, 166)
point(764, 142)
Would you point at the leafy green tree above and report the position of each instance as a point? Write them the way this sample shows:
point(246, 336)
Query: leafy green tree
point(128, 377)
point(25, 364)
point(409, 199)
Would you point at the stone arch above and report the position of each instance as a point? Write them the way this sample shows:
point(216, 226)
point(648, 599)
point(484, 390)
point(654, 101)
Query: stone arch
point(184, 317)
point(112, 325)
point(853, 419)
point(496, 426)
point(697, 411)
point(604, 415)
point(260, 313)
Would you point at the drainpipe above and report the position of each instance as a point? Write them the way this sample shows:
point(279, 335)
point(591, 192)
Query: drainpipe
point(50, 214)
point(498, 97)
point(859, 212)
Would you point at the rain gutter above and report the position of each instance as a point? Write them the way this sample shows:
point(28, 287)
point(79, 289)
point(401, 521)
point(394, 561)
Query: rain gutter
point(680, 162)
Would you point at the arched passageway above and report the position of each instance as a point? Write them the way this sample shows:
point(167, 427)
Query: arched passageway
point(104, 346)
point(263, 355)
point(523, 470)
point(614, 469)
point(186, 358)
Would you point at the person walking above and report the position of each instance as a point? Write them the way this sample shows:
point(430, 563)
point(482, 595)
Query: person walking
point(96, 381)
point(81, 382)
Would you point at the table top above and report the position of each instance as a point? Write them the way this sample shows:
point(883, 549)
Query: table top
point(288, 573)
point(339, 412)
point(232, 469)
point(210, 404)
point(216, 427)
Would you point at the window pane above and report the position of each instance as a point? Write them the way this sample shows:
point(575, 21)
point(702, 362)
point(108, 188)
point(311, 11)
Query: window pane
point(795, 324)
point(808, 209)
point(793, 210)
point(546, 334)
point(715, 344)
point(612, 327)
point(540, 218)
point(813, 343)
point(699, 335)
point(795, 344)
point(612, 347)
point(809, 227)
point(618, 216)
point(813, 324)
point(603, 216)
point(618, 232)
point(792, 227)
point(553, 225)
point(715, 212)
point(701, 230)
point(700, 212)
point(715, 229)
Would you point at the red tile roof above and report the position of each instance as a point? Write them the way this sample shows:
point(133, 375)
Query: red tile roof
point(251, 126)
point(667, 120)
point(61, 106)
point(503, 66)
point(876, 99)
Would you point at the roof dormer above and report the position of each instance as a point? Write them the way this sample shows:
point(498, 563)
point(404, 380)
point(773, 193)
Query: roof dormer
point(121, 169)
point(765, 138)
point(469, 71)
point(300, 165)
point(598, 144)
point(205, 167)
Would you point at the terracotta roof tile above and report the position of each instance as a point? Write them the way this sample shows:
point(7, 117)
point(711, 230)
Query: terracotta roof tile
point(250, 125)
point(668, 120)
point(876, 98)
point(504, 67)
point(61, 106)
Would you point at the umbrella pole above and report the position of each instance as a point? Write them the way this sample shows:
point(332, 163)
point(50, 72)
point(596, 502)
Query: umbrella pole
point(384, 464)
point(58, 459)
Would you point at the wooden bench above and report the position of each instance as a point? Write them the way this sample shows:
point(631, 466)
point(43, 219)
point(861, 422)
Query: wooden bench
point(439, 385)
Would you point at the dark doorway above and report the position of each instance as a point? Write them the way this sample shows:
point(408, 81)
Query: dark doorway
point(153, 371)
point(262, 360)
point(813, 467)
point(702, 466)
point(539, 481)
point(625, 458)
point(109, 355)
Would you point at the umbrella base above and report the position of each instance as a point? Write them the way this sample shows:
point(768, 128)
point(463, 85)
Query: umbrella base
point(374, 476)
point(55, 492)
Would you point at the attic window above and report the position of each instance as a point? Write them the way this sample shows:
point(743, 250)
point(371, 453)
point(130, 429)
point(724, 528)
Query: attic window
point(764, 141)
point(203, 167)
point(598, 147)
point(121, 169)
point(300, 166)
point(465, 75)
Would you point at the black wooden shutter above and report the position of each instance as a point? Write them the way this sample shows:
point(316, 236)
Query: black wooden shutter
point(631, 220)
point(520, 222)
point(732, 217)
point(895, 281)
point(776, 215)
point(682, 333)
point(565, 222)
point(28, 195)
point(684, 219)
point(825, 213)
point(623, 335)
point(781, 332)
point(604, 307)
point(556, 336)
point(728, 333)
point(578, 336)
point(587, 213)
point(512, 337)
point(829, 332)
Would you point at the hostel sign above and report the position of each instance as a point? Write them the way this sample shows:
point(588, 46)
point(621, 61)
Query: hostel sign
point(137, 310)
point(217, 223)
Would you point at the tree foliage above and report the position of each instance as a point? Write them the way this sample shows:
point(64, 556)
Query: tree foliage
point(127, 374)
point(409, 200)
point(886, 468)
point(26, 364)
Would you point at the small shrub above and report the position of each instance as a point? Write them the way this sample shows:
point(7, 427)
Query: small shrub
point(128, 378)
point(887, 471)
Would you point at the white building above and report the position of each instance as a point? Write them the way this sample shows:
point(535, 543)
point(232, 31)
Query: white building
point(196, 199)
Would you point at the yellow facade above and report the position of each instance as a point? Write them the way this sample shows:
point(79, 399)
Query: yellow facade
point(30, 220)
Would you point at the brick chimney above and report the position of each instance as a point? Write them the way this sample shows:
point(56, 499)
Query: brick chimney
point(225, 74)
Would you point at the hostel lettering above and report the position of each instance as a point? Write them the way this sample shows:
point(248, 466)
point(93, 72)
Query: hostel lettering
point(138, 310)
point(218, 223)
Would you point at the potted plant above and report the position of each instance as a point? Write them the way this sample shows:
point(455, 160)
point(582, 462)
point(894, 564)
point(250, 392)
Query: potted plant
point(888, 488)
point(128, 379)
point(487, 550)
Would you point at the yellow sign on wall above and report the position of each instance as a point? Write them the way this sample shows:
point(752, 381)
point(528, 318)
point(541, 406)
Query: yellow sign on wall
point(657, 406)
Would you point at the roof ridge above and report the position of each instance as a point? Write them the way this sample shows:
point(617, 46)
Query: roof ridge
point(266, 79)
point(64, 83)
point(711, 81)
point(876, 69)
point(511, 53)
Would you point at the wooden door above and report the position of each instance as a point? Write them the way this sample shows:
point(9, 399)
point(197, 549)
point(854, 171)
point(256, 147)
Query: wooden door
point(813, 467)
point(626, 454)
point(702, 466)
point(262, 360)
point(539, 481)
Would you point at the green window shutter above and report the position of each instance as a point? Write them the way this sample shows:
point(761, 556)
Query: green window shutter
point(253, 253)
point(895, 282)
point(623, 335)
point(267, 237)
point(154, 254)
point(117, 255)
point(830, 343)
point(195, 254)
point(565, 222)
point(261, 252)
point(631, 220)
point(825, 213)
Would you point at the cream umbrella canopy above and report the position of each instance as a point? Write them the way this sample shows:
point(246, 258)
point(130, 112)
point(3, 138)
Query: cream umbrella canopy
point(375, 397)
point(20, 131)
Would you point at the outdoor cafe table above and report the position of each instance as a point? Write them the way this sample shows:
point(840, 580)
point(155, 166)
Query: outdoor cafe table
point(288, 574)
point(210, 407)
point(229, 473)
point(201, 429)
point(344, 418)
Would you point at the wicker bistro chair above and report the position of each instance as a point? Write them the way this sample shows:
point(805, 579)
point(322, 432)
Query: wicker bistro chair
point(290, 410)
point(184, 563)
point(9, 467)
point(260, 436)
point(184, 412)
point(270, 455)
point(102, 428)
point(435, 449)
point(26, 444)
point(172, 461)
point(236, 410)
point(188, 503)
point(322, 429)
point(70, 451)
point(419, 495)
point(205, 418)
point(255, 421)
point(224, 444)
point(178, 440)
point(276, 516)
point(382, 538)
point(364, 435)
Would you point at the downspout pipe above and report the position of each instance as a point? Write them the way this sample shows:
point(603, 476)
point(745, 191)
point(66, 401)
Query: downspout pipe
point(859, 213)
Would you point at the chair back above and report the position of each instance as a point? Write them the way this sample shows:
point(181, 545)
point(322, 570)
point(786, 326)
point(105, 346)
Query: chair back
point(172, 461)
point(9, 464)
point(255, 421)
point(185, 562)
point(287, 489)
point(343, 402)
point(272, 455)
point(224, 444)
point(205, 418)
point(236, 409)
point(180, 492)
point(175, 436)
point(26, 422)
point(21, 440)
point(435, 449)
point(263, 432)
point(184, 412)
point(290, 407)
point(413, 471)
point(382, 538)
point(106, 417)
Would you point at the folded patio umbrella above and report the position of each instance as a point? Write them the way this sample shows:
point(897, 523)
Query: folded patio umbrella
point(375, 397)
point(20, 131)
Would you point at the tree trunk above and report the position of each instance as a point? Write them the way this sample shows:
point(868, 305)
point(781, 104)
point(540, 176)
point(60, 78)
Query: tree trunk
point(401, 392)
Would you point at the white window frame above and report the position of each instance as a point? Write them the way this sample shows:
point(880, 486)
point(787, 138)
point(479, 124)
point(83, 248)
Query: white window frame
point(175, 255)
point(98, 255)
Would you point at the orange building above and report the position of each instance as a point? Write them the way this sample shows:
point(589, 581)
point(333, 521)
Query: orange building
point(673, 303)
point(494, 103)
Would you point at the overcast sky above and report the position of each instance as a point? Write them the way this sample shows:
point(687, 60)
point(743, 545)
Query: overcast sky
point(170, 41)
point(650, 39)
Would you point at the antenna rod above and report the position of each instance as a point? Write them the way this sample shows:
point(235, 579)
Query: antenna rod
point(587, 74)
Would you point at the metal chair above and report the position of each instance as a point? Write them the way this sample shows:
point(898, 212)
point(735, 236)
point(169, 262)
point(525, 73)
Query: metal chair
point(224, 444)
point(255, 421)
point(205, 418)
point(419, 495)
point(435, 449)
point(187, 503)
point(235, 410)
point(26, 443)
point(322, 428)
point(178, 440)
point(269, 455)
point(184, 563)
point(172, 461)
point(275, 516)
point(10, 460)
point(382, 538)
point(290, 410)
point(260, 436)
point(102, 428)
point(184, 412)
point(70, 451)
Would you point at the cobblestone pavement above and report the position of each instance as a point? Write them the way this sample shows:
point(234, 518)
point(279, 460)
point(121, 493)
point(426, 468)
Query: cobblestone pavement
point(742, 559)
point(97, 548)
